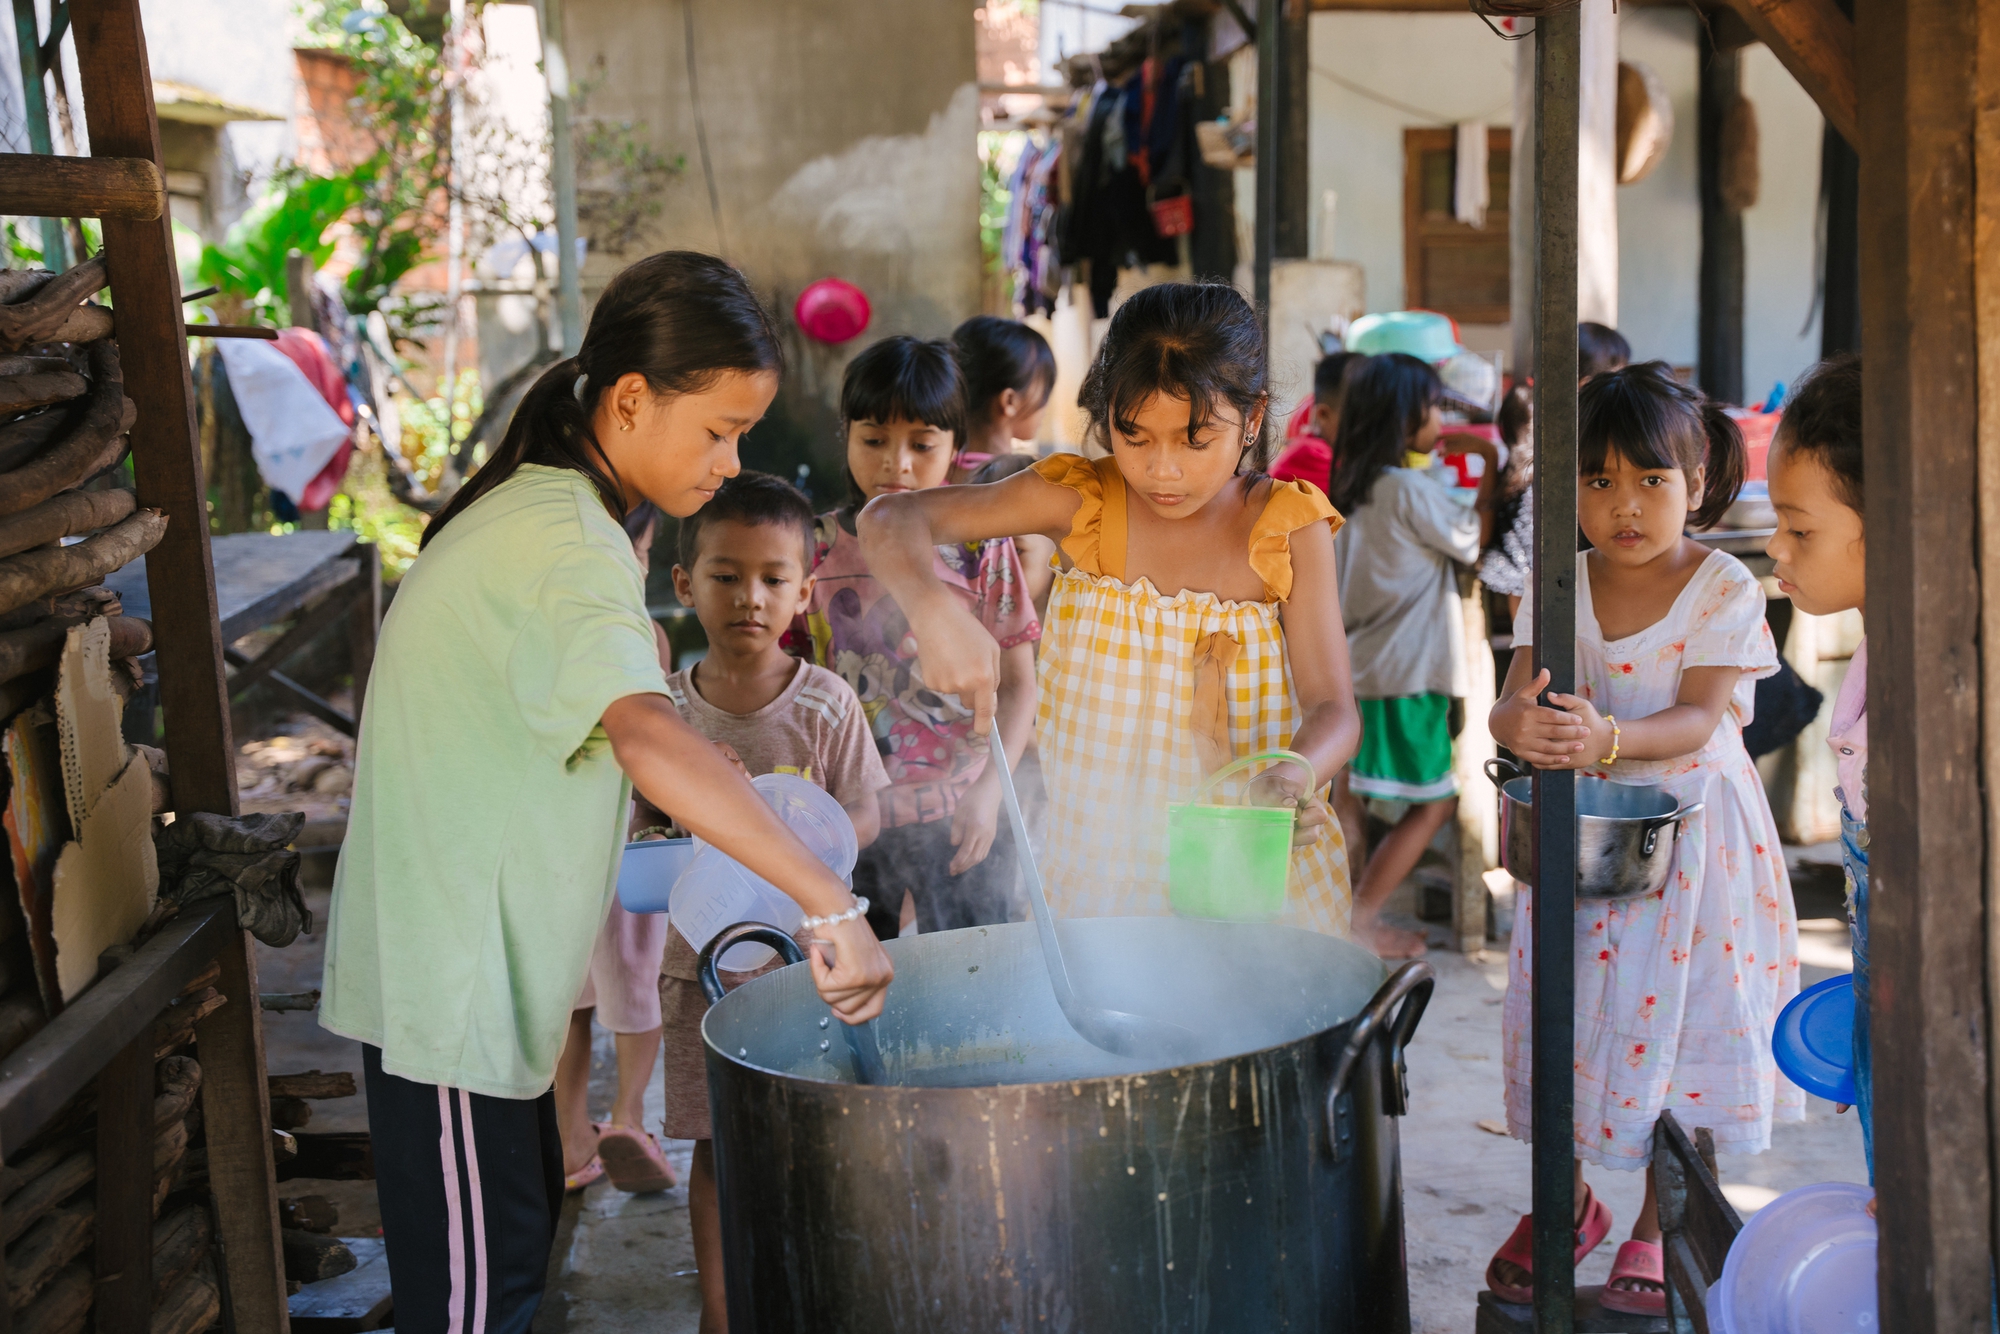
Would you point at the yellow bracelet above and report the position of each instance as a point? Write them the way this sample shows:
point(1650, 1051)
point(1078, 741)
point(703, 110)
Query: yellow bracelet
point(1612, 758)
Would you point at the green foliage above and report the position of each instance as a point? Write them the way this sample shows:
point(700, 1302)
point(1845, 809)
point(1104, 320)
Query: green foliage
point(995, 161)
point(295, 215)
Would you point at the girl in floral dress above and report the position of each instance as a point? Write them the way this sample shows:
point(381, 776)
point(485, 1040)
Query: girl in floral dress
point(1677, 992)
point(1196, 618)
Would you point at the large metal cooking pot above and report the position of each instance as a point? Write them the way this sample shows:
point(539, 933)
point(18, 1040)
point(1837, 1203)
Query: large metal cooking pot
point(1625, 832)
point(1011, 1177)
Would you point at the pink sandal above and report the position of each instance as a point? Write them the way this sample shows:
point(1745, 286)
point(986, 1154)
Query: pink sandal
point(589, 1174)
point(633, 1160)
point(1637, 1262)
point(1519, 1249)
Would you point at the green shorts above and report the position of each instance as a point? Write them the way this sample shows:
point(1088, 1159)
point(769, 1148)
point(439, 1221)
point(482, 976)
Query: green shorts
point(1405, 749)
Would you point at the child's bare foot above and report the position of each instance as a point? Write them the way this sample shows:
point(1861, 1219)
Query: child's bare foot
point(1871, 1206)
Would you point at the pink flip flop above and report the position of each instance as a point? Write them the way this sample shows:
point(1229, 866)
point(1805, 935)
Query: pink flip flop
point(589, 1174)
point(1519, 1249)
point(1637, 1262)
point(633, 1160)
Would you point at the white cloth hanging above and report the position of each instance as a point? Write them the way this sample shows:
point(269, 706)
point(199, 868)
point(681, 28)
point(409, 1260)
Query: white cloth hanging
point(293, 433)
point(1470, 193)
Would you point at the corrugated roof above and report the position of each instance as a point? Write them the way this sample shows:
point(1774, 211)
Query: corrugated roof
point(197, 106)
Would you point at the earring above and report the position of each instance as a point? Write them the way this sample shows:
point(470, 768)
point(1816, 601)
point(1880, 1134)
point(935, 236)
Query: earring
point(624, 426)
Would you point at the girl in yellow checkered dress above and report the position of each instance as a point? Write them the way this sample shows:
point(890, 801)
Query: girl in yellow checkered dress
point(1195, 618)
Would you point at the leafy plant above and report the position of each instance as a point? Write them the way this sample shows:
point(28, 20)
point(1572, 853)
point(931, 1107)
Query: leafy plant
point(296, 214)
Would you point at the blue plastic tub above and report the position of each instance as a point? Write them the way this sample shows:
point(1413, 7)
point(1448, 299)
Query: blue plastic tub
point(649, 870)
point(1814, 1040)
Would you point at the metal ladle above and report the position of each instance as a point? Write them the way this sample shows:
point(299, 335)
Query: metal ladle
point(1116, 1031)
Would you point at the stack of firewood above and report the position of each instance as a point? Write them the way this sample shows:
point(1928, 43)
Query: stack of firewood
point(63, 419)
point(48, 1213)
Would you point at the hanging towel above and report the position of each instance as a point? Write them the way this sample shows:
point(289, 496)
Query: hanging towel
point(1470, 193)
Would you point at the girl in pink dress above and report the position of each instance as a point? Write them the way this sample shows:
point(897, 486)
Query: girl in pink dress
point(1677, 992)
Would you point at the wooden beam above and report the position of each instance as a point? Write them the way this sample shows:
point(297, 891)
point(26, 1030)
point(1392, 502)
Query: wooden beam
point(1815, 41)
point(242, 1166)
point(166, 458)
point(1986, 306)
point(124, 1228)
point(35, 186)
point(1930, 843)
point(41, 1075)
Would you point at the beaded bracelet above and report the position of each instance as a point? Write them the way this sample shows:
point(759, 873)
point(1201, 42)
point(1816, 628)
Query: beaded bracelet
point(1612, 758)
point(860, 909)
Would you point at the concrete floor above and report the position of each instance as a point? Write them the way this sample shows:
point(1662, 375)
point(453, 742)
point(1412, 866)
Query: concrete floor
point(624, 1264)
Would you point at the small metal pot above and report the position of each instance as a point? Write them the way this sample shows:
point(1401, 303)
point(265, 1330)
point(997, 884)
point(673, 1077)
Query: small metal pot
point(1625, 832)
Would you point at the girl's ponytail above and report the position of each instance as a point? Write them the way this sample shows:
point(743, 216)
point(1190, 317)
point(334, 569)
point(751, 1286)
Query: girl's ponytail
point(680, 319)
point(549, 415)
point(1724, 467)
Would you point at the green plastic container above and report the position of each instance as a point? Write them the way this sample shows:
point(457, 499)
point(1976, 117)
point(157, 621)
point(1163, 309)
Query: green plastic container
point(1231, 862)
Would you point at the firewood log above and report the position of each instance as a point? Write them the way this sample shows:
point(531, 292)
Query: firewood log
point(18, 1174)
point(34, 365)
point(180, 1244)
point(27, 1205)
point(64, 515)
point(25, 437)
point(64, 1306)
point(40, 645)
point(310, 1258)
point(38, 389)
point(203, 980)
point(40, 317)
point(83, 603)
point(94, 444)
point(88, 323)
point(193, 1305)
point(21, 1017)
point(179, 1082)
point(290, 1113)
point(175, 1029)
point(20, 284)
point(309, 1213)
point(34, 574)
point(46, 1247)
point(312, 1084)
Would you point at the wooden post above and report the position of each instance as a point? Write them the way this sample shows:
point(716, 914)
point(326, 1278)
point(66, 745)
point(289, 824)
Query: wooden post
point(1558, 79)
point(124, 1241)
point(1986, 295)
point(1917, 71)
point(1270, 50)
point(166, 461)
point(1292, 227)
point(364, 618)
point(241, 1169)
point(1719, 353)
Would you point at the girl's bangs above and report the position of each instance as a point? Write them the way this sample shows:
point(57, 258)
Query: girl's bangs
point(1133, 386)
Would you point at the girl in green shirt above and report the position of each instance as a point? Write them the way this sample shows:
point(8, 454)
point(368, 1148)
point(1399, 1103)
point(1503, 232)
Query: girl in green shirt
point(516, 698)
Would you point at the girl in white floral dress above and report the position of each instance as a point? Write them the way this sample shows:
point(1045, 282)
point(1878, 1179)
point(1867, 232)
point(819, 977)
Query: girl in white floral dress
point(1677, 992)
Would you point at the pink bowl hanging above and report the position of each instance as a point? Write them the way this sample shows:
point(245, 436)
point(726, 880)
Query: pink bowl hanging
point(832, 310)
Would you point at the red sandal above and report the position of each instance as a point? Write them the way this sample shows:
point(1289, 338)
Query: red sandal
point(1519, 1249)
point(1637, 1262)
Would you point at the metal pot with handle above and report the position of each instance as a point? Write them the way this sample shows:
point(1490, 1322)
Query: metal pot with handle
point(1625, 832)
point(1002, 1174)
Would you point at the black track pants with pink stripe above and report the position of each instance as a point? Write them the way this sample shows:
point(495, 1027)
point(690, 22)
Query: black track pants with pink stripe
point(471, 1188)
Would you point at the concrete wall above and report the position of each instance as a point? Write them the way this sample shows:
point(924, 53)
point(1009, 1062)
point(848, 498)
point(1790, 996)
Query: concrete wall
point(1448, 66)
point(842, 143)
point(1443, 68)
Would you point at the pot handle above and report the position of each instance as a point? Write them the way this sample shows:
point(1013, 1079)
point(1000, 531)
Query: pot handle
point(1654, 826)
point(1410, 987)
point(1496, 767)
point(705, 963)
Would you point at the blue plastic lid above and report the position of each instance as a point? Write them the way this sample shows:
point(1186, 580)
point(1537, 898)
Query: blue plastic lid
point(1814, 1040)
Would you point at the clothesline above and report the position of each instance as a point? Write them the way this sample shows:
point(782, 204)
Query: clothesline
point(1421, 113)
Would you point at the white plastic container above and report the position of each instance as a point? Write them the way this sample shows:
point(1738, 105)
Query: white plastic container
point(1805, 1264)
point(715, 891)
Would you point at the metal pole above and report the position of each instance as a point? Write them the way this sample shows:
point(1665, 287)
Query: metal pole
point(562, 177)
point(35, 104)
point(1558, 62)
point(1270, 50)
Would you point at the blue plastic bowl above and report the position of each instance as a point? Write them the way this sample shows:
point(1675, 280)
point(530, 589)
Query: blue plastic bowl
point(649, 870)
point(1814, 1040)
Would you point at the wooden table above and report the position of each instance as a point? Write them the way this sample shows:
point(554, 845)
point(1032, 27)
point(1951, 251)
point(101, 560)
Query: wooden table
point(261, 578)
